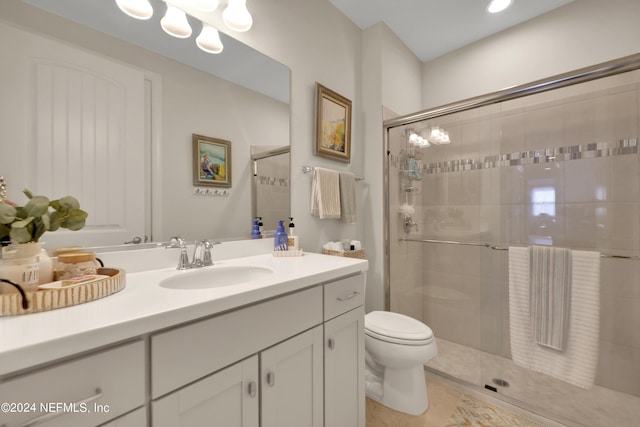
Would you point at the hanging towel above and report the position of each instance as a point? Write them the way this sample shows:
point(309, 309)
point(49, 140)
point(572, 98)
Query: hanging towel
point(578, 362)
point(348, 197)
point(325, 193)
point(549, 295)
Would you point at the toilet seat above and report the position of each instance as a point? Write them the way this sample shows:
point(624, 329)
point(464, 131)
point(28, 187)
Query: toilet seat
point(397, 328)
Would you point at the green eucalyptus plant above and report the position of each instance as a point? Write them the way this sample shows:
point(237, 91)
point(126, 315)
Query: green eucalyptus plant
point(23, 224)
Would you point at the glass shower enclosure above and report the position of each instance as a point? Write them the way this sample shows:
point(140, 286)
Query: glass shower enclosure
point(553, 163)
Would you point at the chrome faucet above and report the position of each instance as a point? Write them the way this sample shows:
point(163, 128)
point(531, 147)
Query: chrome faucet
point(201, 255)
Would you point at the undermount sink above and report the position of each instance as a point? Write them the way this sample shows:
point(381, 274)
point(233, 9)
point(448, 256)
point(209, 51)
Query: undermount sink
point(215, 277)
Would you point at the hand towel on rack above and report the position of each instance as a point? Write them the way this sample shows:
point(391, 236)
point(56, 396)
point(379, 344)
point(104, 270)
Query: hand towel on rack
point(348, 197)
point(325, 193)
point(549, 295)
point(577, 364)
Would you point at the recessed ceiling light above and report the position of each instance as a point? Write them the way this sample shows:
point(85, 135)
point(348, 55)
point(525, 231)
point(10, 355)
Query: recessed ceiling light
point(496, 6)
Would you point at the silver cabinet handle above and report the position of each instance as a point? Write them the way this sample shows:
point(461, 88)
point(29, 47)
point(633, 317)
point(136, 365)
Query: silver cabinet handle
point(331, 343)
point(252, 389)
point(42, 418)
point(348, 297)
point(271, 379)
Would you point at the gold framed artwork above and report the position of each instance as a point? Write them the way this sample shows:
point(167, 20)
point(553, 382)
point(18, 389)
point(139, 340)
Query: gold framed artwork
point(211, 161)
point(333, 124)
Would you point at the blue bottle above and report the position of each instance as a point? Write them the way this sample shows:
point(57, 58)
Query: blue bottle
point(255, 231)
point(280, 239)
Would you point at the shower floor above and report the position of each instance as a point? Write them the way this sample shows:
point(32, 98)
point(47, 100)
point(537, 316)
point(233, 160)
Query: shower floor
point(536, 392)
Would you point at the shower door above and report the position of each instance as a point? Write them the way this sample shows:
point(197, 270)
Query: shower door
point(553, 164)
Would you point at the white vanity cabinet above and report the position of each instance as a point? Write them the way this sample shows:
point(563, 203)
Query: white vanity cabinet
point(283, 336)
point(279, 387)
point(285, 353)
point(87, 391)
point(344, 403)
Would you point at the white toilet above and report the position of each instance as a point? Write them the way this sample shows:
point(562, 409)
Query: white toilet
point(397, 347)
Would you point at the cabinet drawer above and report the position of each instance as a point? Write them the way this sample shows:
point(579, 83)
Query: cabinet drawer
point(343, 295)
point(83, 392)
point(190, 352)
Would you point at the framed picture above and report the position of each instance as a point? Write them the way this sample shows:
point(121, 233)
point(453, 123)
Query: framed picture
point(333, 124)
point(211, 161)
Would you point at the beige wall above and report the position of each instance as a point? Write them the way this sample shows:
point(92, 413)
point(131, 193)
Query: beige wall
point(580, 34)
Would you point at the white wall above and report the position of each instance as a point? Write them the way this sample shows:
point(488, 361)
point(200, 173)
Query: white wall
point(580, 34)
point(390, 78)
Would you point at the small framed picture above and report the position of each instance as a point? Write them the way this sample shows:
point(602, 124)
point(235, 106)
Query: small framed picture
point(211, 161)
point(333, 124)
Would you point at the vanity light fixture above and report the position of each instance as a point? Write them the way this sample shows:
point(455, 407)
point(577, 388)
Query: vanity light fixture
point(496, 6)
point(439, 136)
point(138, 9)
point(175, 22)
point(236, 16)
point(209, 39)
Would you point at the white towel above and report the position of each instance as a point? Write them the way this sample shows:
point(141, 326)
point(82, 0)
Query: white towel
point(348, 197)
point(550, 295)
point(325, 193)
point(577, 364)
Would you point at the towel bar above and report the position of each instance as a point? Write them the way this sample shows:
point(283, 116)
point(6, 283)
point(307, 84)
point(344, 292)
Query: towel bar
point(502, 248)
point(309, 169)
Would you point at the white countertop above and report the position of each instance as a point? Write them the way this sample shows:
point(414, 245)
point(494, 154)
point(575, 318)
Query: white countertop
point(143, 307)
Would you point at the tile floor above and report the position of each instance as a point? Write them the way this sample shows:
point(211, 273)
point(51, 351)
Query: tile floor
point(595, 407)
point(444, 399)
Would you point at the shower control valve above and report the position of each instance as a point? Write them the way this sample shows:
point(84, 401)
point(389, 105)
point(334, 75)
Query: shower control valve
point(409, 223)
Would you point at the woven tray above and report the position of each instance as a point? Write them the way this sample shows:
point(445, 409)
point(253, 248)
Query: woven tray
point(348, 254)
point(51, 299)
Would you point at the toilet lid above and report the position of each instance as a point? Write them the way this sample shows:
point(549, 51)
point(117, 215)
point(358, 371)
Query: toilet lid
point(396, 325)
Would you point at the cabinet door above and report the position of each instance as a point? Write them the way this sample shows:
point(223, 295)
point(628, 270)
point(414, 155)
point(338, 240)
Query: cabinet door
point(291, 382)
point(344, 404)
point(136, 418)
point(227, 398)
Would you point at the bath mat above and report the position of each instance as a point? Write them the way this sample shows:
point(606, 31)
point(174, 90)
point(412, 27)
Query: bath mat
point(471, 412)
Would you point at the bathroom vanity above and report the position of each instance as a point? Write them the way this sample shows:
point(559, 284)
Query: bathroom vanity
point(284, 347)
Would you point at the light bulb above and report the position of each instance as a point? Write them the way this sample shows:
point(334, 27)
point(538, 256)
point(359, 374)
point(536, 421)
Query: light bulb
point(413, 138)
point(209, 40)
point(496, 6)
point(205, 5)
point(175, 23)
point(236, 16)
point(139, 9)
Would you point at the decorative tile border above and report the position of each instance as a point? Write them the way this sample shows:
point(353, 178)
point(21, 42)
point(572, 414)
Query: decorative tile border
point(547, 155)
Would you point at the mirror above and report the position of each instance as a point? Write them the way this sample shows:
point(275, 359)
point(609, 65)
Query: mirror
point(192, 92)
point(270, 186)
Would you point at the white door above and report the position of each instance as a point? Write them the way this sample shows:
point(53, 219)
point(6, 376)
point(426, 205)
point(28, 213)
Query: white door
point(291, 382)
point(344, 404)
point(73, 123)
point(227, 398)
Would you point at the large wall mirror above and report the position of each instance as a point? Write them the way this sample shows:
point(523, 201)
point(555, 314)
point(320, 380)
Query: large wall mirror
point(103, 107)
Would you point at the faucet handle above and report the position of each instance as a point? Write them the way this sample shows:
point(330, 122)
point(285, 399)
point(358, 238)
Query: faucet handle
point(208, 245)
point(183, 262)
point(175, 242)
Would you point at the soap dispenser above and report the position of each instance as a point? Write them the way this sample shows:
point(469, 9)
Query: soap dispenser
point(293, 239)
point(255, 231)
point(280, 239)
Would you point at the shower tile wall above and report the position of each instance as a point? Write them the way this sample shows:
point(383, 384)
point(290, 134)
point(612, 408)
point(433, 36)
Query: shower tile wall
point(591, 202)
